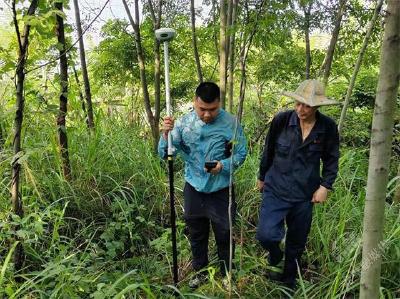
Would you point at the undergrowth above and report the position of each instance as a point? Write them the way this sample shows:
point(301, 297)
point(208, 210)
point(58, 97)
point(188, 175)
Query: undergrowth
point(105, 233)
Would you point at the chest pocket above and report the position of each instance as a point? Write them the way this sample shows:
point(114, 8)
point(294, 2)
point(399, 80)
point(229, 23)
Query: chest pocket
point(314, 152)
point(282, 148)
point(282, 159)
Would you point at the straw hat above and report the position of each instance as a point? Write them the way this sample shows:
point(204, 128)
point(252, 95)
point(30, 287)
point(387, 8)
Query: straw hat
point(312, 93)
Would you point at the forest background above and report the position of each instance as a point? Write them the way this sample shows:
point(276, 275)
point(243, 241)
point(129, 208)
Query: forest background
point(84, 198)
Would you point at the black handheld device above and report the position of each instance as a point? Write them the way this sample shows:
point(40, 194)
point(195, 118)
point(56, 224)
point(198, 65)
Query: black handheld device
point(210, 165)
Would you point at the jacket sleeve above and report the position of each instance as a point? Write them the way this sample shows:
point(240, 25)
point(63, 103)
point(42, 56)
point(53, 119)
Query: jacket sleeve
point(269, 147)
point(239, 153)
point(330, 157)
point(176, 141)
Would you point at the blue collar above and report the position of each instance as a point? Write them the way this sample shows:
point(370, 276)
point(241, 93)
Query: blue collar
point(219, 115)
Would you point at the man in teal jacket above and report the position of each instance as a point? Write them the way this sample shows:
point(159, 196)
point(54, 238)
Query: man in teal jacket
point(204, 135)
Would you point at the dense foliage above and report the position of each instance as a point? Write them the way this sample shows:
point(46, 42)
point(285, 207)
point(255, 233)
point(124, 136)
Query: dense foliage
point(105, 233)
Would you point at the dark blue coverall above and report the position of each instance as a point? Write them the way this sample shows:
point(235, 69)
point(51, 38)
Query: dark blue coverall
point(290, 169)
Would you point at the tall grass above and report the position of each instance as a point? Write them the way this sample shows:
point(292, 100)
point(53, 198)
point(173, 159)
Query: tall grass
point(104, 234)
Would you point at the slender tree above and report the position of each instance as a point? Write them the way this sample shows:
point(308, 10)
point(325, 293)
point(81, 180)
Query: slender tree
point(2, 123)
point(23, 42)
point(78, 84)
point(194, 42)
point(358, 64)
point(231, 65)
point(222, 51)
point(214, 15)
point(332, 45)
point(228, 25)
point(62, 114)
point(88, 94)
point(156, 18)
point(380, 150)
point(307, 17)
point(142, 71)
point(247, 41)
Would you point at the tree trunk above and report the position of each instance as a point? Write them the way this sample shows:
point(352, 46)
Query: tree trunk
point(358, 65)
point(215, 14)
point(222, 51)
point(142, 69)
point(331, 49)
point(157, 73)
point(16, 199)
point(307, 15)
point(380, 150)
point(244, 51)
point(88, 95)
point(80, 93)
point(243, 82)
point(228, 32)
point(61, 119)
point(194, 42)
point(231, 65)
point(157, 99)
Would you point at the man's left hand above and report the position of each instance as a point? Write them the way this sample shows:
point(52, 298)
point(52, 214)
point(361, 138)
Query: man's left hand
point(216, 169)
point(320, 195)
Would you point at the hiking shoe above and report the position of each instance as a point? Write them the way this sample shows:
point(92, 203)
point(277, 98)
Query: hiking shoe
point(276, 260)
point(197, 280)
point(274, 274)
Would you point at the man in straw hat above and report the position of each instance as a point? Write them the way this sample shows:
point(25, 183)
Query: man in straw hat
point(289, 176)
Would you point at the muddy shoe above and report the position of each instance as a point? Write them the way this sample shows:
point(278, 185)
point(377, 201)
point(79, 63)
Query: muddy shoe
point(197, 280)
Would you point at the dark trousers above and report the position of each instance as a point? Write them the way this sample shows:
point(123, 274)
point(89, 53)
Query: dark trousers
point(274, 213)
point(201, 210)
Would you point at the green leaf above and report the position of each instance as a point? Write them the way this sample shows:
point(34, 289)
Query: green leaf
point(22, 234)
point(32, 21)
point(7, 66)
point(9, 290)
point(60, 13)
point(59, 46)
point(140, 219)
point(6, 262)
point(52, 108)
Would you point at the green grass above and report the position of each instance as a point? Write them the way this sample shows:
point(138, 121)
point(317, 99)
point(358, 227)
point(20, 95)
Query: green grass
point(105, 233)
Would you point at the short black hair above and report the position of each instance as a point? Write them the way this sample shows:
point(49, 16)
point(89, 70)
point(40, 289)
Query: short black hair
point(208, 92)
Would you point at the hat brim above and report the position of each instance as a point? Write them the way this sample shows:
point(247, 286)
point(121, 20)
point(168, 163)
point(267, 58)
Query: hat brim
point(318, 100)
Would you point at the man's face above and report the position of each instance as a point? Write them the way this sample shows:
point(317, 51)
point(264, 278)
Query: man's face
point(305, 112)
point(207, 112)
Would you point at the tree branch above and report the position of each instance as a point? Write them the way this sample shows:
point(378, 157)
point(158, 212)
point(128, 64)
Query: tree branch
point(153, 16)
point(69, 49)
point(16, 26)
